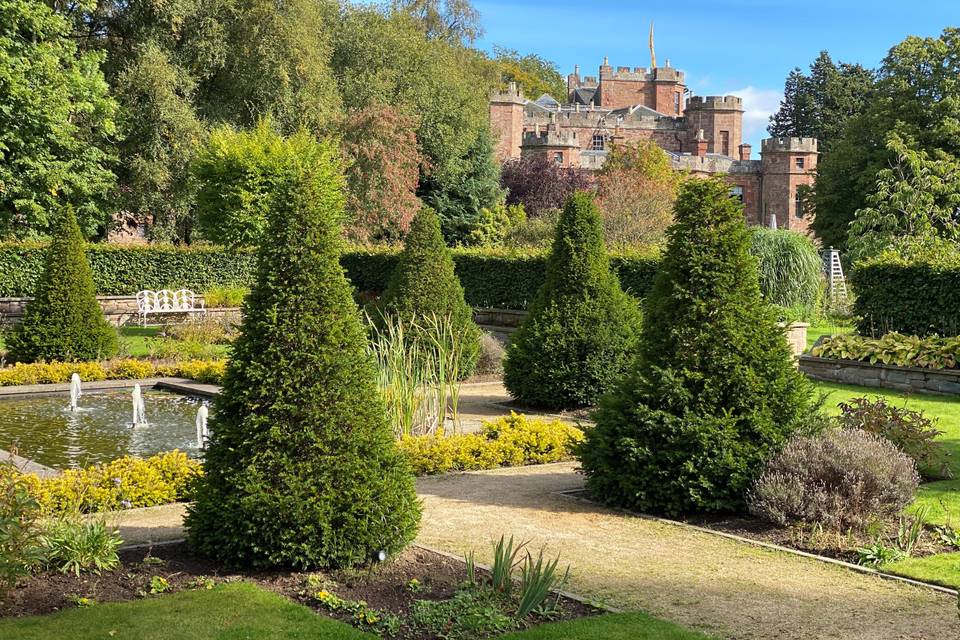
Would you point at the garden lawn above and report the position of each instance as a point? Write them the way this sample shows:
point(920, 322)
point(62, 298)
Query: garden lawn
point(243, 611)
point(941, 497)
point(943, 568)
point(228, 612)
point(135, 343)
point(814, 331)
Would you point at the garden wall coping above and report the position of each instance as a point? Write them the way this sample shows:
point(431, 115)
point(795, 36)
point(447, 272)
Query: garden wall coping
point(866, 374)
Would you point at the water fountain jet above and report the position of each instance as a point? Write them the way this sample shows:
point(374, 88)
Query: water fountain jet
point(75, 391)
point(202, 433)
point(139, 411)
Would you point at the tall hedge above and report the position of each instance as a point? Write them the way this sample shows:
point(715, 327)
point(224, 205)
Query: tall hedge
point(64, 321)
point(713, 392)
point(582, 328)
point(302, 469)
point(490, 277)
point(914, 296)
point(424, 285)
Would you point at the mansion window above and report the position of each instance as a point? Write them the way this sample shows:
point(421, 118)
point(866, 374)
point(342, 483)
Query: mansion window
point(798, 203)
point(799, 162)
point(558, 157)
point(736, 191)
point(676, 103)
point(725, 143)
point(598, 143)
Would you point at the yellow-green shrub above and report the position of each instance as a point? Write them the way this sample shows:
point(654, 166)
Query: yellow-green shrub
point(206, 371)
point(508, 441)
point(129, 369)
point(123, 483)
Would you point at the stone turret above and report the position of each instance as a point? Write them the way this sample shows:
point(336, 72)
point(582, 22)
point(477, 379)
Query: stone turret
point(720, 118)
point(506, 121)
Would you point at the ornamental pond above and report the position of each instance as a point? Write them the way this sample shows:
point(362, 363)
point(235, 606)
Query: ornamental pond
point(45, 429)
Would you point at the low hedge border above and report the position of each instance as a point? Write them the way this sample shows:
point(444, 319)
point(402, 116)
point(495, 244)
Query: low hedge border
point(203, 371)
point(131, 482)
point(490, 277)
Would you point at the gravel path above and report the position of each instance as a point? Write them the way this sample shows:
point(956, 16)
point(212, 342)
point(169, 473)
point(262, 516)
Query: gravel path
point(719, 586)
point(695, 579)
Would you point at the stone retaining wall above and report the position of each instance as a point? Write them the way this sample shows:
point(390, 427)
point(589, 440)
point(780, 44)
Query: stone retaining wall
point(940, 381)
point(119, 310)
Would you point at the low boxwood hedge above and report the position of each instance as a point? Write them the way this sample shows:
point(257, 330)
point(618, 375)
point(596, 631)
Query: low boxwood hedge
point(130, 482)
point(490, 277)
point(204, 371)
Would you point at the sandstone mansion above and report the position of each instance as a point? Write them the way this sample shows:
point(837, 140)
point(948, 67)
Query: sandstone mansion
point(702, 135)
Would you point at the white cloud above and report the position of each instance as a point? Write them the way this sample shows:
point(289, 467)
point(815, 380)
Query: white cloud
point(758, 106)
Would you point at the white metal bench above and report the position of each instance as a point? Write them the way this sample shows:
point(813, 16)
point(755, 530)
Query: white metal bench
point(166, 301)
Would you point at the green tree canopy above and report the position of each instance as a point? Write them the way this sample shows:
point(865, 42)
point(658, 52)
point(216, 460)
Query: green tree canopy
point(713, 391)
point(302, 469)
point(380, 59)
point(56, 119)
point(239, 174)
point(917, 96)
point(460, 197)
point(819, 104)
point(916, 203)
point(535, 74)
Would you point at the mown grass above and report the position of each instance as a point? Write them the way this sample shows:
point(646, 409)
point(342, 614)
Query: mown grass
point(136, 343)
point(228, 612)
point(942, 569)
point(243, 611)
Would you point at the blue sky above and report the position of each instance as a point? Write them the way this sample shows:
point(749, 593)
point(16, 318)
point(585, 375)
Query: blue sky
point(741, 47)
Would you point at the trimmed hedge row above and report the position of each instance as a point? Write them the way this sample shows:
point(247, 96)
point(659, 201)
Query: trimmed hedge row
point(490, 278)
point(914, 297)
point(203, 371)
point(131, 482)
point(124, 270)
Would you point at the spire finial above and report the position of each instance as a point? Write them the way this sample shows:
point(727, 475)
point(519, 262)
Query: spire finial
point(653, 55)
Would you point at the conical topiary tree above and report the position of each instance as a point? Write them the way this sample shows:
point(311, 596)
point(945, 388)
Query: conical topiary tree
point(713, 392)
point(64, 321)
point(424, 284)
point(302, 469)
point(582, 328)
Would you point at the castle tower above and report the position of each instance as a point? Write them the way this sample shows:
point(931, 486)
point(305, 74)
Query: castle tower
point(506, 122)
point(720, 118)
point(561, 146)
point(660, 88)
point(787, 164)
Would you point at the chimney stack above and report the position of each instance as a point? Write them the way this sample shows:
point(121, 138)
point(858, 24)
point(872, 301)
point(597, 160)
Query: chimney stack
point(745, 150)
point(700, 144)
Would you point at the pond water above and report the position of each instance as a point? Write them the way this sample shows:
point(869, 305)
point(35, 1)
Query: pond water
point(43, 429)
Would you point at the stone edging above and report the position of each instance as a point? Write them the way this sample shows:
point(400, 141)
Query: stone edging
point(569, 495)
point(866, 374)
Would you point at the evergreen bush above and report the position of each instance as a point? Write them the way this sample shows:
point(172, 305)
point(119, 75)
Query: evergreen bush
point(424, 284)
point(713, 392)
point(64, 321)
point(302, 469)
point(582, 328)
